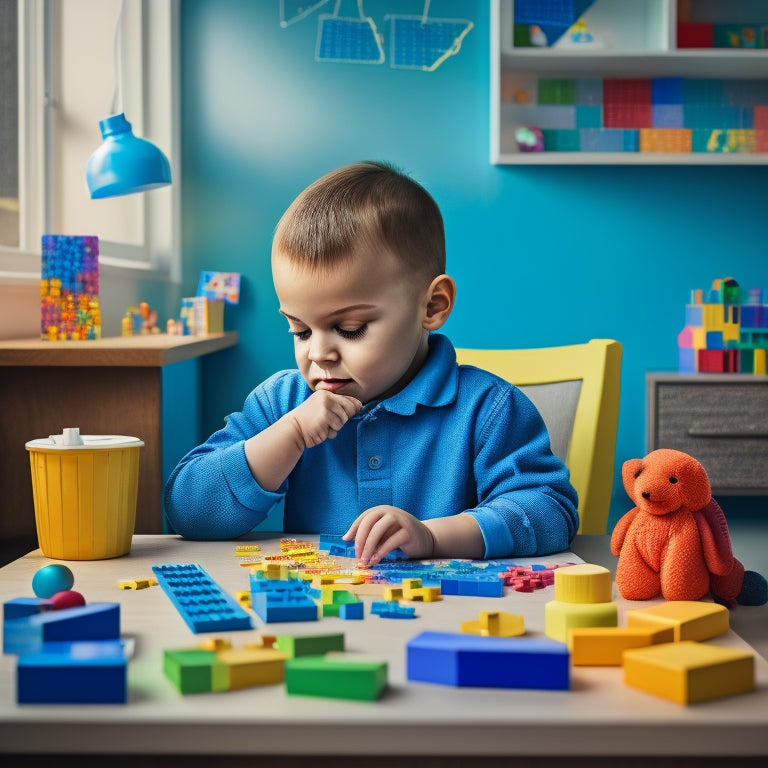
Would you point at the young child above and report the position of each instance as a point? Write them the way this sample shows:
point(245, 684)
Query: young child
point(379, 435)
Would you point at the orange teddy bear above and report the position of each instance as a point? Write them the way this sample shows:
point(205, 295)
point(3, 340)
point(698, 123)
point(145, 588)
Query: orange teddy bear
point(675, 542)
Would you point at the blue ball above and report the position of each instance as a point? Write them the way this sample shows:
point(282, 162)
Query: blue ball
point(51, 579)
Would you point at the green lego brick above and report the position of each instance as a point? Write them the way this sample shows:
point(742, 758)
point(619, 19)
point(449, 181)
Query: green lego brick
point(310, 645)
point(189, 669)
point(336, 678)
point(557, 91)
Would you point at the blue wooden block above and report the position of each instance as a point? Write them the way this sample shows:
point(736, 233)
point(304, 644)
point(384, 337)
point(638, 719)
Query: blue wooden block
point(20, 607)
point(488, 662)
point(74, 673)
point(95, 621)
point(351, 610)
point(283, 606)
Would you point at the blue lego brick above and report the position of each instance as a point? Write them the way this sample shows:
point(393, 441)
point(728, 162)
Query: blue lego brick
point(488, 662)
point(667, 90)
point(74, 673)
point(686, 360)
point(391, 609)
point(20, 607)
point(95, 621)
point(601, 140)
point(336, 546)
point(589, 116)
point(203, 605)
point(283, 606)
point(352, 610)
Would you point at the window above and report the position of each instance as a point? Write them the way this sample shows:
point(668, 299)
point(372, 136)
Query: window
point(59, 73)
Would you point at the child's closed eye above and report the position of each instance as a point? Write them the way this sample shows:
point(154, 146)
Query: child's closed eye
point(353, 333)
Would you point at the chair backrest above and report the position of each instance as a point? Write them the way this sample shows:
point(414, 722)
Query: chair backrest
point(576, 389)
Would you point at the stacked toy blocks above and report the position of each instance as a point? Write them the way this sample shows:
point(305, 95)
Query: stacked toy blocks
point(283, 599)
point(582, 599)
point(487, 662)
point(726, 330)
point(66, 656)
point(203, 605)
point(687, 670)
point(217, 666)
point(69, 289)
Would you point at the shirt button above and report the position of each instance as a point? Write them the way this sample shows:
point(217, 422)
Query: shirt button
point(374, 462)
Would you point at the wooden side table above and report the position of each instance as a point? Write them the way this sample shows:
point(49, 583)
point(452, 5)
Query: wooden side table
point(111, 386)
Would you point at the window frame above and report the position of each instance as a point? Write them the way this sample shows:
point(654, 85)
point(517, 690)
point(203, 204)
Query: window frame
point(159, 255)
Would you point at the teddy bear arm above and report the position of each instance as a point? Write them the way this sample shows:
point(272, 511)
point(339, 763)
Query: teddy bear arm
point(719, 559)
point(620, 530)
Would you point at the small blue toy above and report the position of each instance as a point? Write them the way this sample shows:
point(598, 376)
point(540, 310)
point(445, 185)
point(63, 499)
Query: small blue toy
point(51, 579)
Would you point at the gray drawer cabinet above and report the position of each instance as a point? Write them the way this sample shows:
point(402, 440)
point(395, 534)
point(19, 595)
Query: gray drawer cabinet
point(719, 419)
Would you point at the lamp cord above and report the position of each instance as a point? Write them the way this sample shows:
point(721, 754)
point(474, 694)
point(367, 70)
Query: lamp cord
point(117, 96)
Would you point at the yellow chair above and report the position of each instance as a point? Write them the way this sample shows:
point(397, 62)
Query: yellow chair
point(576, 390)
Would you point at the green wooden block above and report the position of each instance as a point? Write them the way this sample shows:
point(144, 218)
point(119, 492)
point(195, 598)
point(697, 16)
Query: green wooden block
point(189, 669)
point(310, 645)
point(336, 678)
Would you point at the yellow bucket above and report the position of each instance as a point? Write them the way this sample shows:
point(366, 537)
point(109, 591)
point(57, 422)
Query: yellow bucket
point(85, 489)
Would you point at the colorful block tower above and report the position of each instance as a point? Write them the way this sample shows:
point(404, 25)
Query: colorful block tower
point(726, 330)
point(69, 288)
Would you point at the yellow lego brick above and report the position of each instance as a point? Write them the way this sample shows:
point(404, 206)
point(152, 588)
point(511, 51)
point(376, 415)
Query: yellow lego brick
point(247, 667)
point(393, 593)
point(689, 619)
point(583, 583)
point(215, 644)
point(423, 594)
point(410, 584)
point(689, 672)
point(495, 624)
point(759, 361)
point(560, 617)
point(604, 646)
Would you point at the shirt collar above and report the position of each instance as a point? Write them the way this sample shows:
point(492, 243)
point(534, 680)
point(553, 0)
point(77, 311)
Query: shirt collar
point(435, 385)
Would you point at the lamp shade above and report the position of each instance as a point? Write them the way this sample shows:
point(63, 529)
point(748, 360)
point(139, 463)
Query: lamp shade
point(125, 163)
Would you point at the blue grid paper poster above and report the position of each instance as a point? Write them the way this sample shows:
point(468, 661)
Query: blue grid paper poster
point(348, 40)
point(416, 43)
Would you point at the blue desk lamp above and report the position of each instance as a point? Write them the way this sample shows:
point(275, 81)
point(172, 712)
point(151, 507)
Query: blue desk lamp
point(124, 163)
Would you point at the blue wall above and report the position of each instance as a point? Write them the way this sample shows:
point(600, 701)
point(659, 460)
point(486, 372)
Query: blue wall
point(542, 255)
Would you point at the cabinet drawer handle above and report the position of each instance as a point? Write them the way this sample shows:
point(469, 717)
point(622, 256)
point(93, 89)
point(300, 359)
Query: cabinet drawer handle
point(744, 433)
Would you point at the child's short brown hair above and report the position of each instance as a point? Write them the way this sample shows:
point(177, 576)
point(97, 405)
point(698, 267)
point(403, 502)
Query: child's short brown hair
point(366, 205)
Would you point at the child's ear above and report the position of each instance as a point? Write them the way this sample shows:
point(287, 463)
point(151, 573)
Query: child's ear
point(441, 296)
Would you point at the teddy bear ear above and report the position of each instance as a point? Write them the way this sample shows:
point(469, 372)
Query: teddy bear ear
point(629, 471)
point(696, 490)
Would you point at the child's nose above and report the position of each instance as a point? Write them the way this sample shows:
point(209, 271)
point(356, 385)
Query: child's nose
point(322, 347)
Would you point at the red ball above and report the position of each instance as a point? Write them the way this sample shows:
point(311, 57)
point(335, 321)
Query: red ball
point(67, 599)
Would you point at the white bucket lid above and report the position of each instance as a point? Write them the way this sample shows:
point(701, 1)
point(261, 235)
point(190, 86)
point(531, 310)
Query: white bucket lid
point(71, 439)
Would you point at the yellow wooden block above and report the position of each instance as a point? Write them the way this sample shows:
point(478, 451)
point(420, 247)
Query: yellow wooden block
point(583, 583)
point(688, 672)
point(604, 646)
point(247, 667)
point(560, 617)
point(393, 593)
point(690, 619)
point(495, 624)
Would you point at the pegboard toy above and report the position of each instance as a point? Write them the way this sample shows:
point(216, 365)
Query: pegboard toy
point(725, 331)
point(74, 673)
point(69, 288)
point(605, 646)
point(688, 619)
point(688, 672)
point(336, 676)
point(487, 662)
point(203, 605)
point(495, 624)
point(582, 599)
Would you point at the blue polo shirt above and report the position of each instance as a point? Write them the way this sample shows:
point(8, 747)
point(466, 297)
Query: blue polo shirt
point(456, 439)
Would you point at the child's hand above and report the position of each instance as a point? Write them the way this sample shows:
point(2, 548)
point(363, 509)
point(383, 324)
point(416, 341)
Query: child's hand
point(322, 415)
point(381, 529)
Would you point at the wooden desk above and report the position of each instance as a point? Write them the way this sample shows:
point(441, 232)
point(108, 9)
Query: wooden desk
point(118, 385)
point(599, 722)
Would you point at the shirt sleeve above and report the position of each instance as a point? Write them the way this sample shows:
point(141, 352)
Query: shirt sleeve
point(211, 494)
point(526, 503)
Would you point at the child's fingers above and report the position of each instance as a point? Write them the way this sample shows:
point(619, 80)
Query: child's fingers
point(352, 530)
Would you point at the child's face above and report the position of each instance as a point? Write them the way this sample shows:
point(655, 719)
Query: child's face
point(357, 328)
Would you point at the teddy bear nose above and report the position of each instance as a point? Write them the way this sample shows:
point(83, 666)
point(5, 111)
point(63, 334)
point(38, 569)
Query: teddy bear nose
point(646, 494)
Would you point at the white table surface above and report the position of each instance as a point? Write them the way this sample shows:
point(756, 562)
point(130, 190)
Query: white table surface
point(599, 715)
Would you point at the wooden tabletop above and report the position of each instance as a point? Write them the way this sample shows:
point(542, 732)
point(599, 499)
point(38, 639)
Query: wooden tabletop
point(149, 350)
